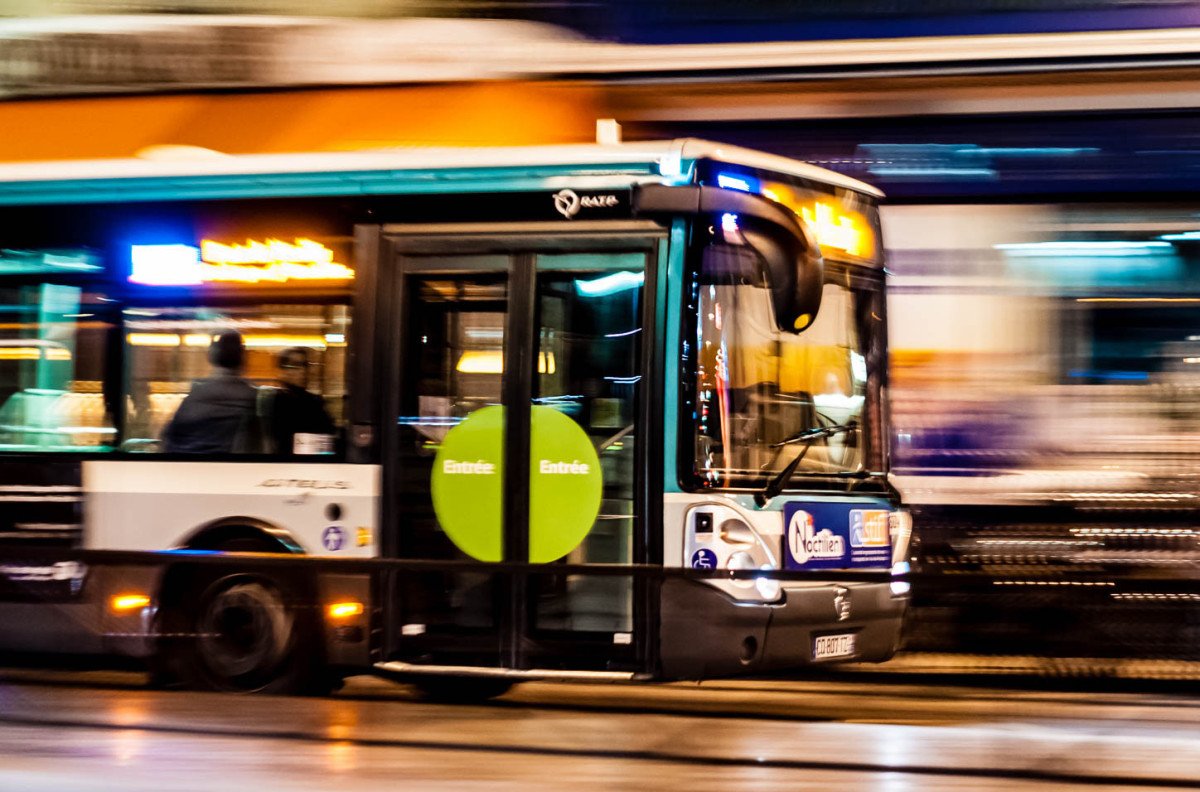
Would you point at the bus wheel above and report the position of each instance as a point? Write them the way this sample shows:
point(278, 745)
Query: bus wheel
point(459, 690)
point(247, 636)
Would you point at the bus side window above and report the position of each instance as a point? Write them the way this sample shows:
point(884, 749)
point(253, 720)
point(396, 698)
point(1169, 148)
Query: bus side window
point(288, 350)
point(52, 349)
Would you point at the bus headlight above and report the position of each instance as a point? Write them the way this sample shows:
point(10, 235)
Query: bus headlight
point(741, 560)
point(722, 537)
point(767, 587)
point(900, 528)
point(901, 587)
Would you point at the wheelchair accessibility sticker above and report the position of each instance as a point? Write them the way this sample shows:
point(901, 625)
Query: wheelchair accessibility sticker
point(333, 538)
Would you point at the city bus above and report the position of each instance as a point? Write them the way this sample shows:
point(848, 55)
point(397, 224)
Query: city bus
point(569, 389)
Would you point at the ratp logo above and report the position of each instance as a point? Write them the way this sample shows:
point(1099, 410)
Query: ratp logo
point(567, 203)
point(807, 544)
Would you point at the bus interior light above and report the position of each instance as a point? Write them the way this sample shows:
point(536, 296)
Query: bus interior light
point(31, 352)
point(606, 285)
point(481, 361)
point(491, 361)
point(123, 603)
point(283, 341)
point(153, 339)
point(26, 262)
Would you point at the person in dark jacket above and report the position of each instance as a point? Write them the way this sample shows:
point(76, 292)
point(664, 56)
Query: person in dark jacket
point(294, 410)
point(219, 415)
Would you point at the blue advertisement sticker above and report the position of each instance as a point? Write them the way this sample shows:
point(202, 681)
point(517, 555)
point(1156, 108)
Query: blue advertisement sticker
point(836, 535)
point(870, 539)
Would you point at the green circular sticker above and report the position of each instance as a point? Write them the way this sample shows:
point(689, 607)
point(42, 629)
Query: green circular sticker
point(468, 476)
point(565, 484)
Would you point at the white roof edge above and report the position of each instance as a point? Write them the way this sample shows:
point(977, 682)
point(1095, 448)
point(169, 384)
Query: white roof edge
point(695, 148)
point(217, 164)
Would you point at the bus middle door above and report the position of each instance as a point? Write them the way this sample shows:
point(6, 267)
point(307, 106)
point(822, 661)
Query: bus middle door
point(519, 436)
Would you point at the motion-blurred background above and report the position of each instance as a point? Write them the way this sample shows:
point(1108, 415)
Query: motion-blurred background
point(1041, 160)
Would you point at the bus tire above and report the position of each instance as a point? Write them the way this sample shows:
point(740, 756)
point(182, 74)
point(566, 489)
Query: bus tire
point(459, 689)
point(245, 633)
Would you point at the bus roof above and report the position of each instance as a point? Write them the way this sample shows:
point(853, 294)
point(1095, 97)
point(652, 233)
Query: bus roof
point(663, 158)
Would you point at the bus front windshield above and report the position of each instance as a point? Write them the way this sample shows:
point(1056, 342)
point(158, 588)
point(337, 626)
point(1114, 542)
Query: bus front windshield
point(761, 396)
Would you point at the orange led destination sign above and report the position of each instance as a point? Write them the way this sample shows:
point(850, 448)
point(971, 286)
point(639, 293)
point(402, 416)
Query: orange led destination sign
point(273, 261)
point(838, 228)
point(251, 262)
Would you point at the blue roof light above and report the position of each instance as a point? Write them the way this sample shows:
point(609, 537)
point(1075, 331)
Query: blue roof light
point(165, 265)
point(740, 183)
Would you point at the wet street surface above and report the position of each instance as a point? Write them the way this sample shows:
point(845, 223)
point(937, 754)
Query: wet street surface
point(107, 731)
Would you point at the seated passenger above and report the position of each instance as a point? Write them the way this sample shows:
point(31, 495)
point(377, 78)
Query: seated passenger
point(299, 421)
point(219, 415)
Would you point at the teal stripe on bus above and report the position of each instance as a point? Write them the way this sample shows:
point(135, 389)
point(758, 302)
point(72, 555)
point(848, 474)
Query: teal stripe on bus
point(290, 185)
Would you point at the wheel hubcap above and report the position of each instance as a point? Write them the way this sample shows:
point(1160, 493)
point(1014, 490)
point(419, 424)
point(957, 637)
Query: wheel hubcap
point(244, 632)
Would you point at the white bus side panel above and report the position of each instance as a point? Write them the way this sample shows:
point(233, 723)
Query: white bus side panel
point(135, 505)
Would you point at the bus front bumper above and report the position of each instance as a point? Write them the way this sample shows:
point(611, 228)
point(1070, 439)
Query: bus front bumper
point(706, 633)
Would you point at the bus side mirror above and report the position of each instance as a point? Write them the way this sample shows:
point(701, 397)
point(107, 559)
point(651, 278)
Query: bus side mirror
point(795, 274)
point(787, 247)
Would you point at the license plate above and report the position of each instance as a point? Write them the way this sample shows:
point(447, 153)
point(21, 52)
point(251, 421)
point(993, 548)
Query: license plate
point(827, 647)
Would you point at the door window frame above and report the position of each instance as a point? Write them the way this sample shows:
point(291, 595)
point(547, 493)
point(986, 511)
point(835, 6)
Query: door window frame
point(400, 249)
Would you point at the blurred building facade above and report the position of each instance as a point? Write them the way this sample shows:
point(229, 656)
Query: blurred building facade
point(1043, 232)
point(697, 21)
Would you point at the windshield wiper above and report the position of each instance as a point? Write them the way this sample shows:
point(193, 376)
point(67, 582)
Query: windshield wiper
point(807, 437)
